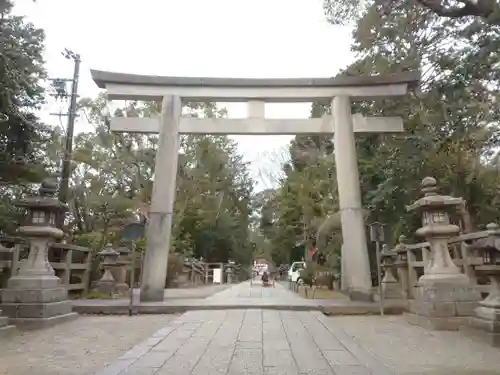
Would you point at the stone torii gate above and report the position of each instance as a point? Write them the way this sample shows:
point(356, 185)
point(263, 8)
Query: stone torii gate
point(172, 91)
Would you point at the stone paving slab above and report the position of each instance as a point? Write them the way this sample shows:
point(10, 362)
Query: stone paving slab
point(250, 342)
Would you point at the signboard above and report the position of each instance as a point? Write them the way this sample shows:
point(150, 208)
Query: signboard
point(217, 276)
point(260, 268)
point(133, 231)
point(377, 232)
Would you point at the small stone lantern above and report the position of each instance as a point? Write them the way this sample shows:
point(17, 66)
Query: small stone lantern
point(107, 284)
point(120, 272)
point(390, 286)
point(486, 322)
point(444, 298)
point(230, 272)
point(35, 297)
point(401, 264)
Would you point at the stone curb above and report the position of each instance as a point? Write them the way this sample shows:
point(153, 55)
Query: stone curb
point(178, 309)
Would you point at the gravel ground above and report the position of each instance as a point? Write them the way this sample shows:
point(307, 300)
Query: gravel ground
point(79, 347)
point(412, 350)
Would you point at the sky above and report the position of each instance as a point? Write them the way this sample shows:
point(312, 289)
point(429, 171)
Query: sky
point(208, 38)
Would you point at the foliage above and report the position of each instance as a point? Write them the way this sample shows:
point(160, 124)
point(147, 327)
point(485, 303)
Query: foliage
point(174, 268)
point(348, 11)
point(93, 295)
point(111, 185)
point(113, 178)
point(22, 137)
point(452, 131)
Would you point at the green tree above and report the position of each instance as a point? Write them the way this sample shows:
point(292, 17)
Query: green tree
point(451, 128)
point(112, 181)
point(22, 136)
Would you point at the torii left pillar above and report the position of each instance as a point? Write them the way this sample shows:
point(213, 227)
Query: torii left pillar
point(159, 229)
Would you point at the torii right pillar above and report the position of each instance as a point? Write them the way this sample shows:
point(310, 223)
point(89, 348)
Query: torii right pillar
point(355, 260)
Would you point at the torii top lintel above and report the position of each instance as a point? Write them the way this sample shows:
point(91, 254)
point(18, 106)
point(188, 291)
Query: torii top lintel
point(145, 87)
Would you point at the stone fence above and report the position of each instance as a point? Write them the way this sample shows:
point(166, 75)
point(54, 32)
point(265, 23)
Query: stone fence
point(71, 263)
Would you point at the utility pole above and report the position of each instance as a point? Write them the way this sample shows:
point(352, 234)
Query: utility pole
point(60, 88)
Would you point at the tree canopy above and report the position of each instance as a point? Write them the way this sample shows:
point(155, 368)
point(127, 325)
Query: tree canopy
point(451, 129)
point(451, 133)
point(348, 11)
point(22, 136)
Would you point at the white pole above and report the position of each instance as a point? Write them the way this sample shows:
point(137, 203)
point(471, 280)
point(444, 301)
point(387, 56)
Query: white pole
point(379, 278)
point(356, 268)
point(132, 281)
point(159, 228)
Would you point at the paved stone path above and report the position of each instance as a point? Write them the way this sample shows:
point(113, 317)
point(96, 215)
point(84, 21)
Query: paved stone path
point(247, 342)
point(201, 291)
point(253, 293)
point(244, 341)
point(263, 341)
point(240, 296)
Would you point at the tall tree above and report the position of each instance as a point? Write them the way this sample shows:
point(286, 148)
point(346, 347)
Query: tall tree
point(22, 136)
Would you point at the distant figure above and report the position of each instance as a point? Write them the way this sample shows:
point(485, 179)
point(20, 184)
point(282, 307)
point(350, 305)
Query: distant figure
point(265, 277)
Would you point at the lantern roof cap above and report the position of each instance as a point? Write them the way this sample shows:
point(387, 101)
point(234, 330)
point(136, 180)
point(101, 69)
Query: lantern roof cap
point(123, 250)
point(431, 198)
point(46, 199)
point(490, 242)
point(108, 250)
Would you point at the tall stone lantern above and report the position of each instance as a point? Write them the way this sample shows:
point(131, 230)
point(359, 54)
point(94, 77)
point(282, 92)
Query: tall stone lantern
point(436, 229)
point(35, 297)
point(444, 296)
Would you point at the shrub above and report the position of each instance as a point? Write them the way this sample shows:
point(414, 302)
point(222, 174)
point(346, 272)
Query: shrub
point(307, 275)
point(174, 268)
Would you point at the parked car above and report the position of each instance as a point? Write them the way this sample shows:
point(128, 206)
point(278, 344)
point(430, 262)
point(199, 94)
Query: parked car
point(294, 271)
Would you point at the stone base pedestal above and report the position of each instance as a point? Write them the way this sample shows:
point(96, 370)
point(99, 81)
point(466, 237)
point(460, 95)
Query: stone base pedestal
point(36, 302)
point(105, 287)
point(110, 288)
point(442, 306)
point(392, 290)
point(5, 328)
point(361, 296)
point(485, 326)
point(122, 289)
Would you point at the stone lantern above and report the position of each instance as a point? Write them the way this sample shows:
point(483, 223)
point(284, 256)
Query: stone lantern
point(436, 229)
point(230, 272)
point(107, 283)
point(401, 264)
point(444, 296)
point(120, 273)
point(390, 285)
point(35, 297)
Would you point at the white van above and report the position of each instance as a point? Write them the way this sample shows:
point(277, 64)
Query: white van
point(294, 271)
